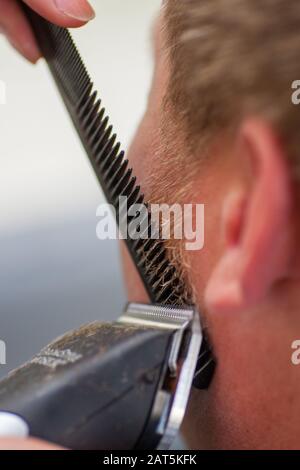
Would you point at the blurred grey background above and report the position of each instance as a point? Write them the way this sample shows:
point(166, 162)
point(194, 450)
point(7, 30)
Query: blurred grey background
point(54, 273)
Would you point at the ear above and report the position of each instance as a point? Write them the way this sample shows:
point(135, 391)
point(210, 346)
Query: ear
point(257, 225)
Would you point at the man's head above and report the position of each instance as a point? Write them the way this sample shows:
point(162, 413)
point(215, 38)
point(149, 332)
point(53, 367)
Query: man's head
point(221, 130)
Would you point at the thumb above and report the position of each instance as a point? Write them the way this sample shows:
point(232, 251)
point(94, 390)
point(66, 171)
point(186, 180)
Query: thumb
point(66, 13)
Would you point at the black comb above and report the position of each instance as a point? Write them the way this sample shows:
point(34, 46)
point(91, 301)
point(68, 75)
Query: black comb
point(160, 277)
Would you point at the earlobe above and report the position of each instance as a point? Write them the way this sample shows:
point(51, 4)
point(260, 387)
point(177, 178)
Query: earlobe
point(257, 226)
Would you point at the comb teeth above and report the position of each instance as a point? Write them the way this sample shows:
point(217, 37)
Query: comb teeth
point(108, 161)
point(160, 278)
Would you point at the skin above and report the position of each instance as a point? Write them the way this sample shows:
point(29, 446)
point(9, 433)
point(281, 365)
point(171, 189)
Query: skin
point(246, 279)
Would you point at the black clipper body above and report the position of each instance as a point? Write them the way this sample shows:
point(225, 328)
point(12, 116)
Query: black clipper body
point(122, 385)
point(116, 386)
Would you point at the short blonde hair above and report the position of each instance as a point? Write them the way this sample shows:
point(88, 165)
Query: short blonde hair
point(231, 58)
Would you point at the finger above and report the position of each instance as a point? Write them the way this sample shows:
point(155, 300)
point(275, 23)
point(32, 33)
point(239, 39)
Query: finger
point(17, 30)
point(66, 13)
point(26, 444)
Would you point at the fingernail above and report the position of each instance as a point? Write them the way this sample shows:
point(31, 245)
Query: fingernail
point(78, 9)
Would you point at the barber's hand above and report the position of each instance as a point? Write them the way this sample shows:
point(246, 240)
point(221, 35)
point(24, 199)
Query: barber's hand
point(66, 13)
point(26, 444)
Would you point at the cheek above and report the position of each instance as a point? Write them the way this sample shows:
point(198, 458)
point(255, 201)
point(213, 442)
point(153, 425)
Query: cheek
point(140, 151)
point(138, 156)
point(202, 262)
